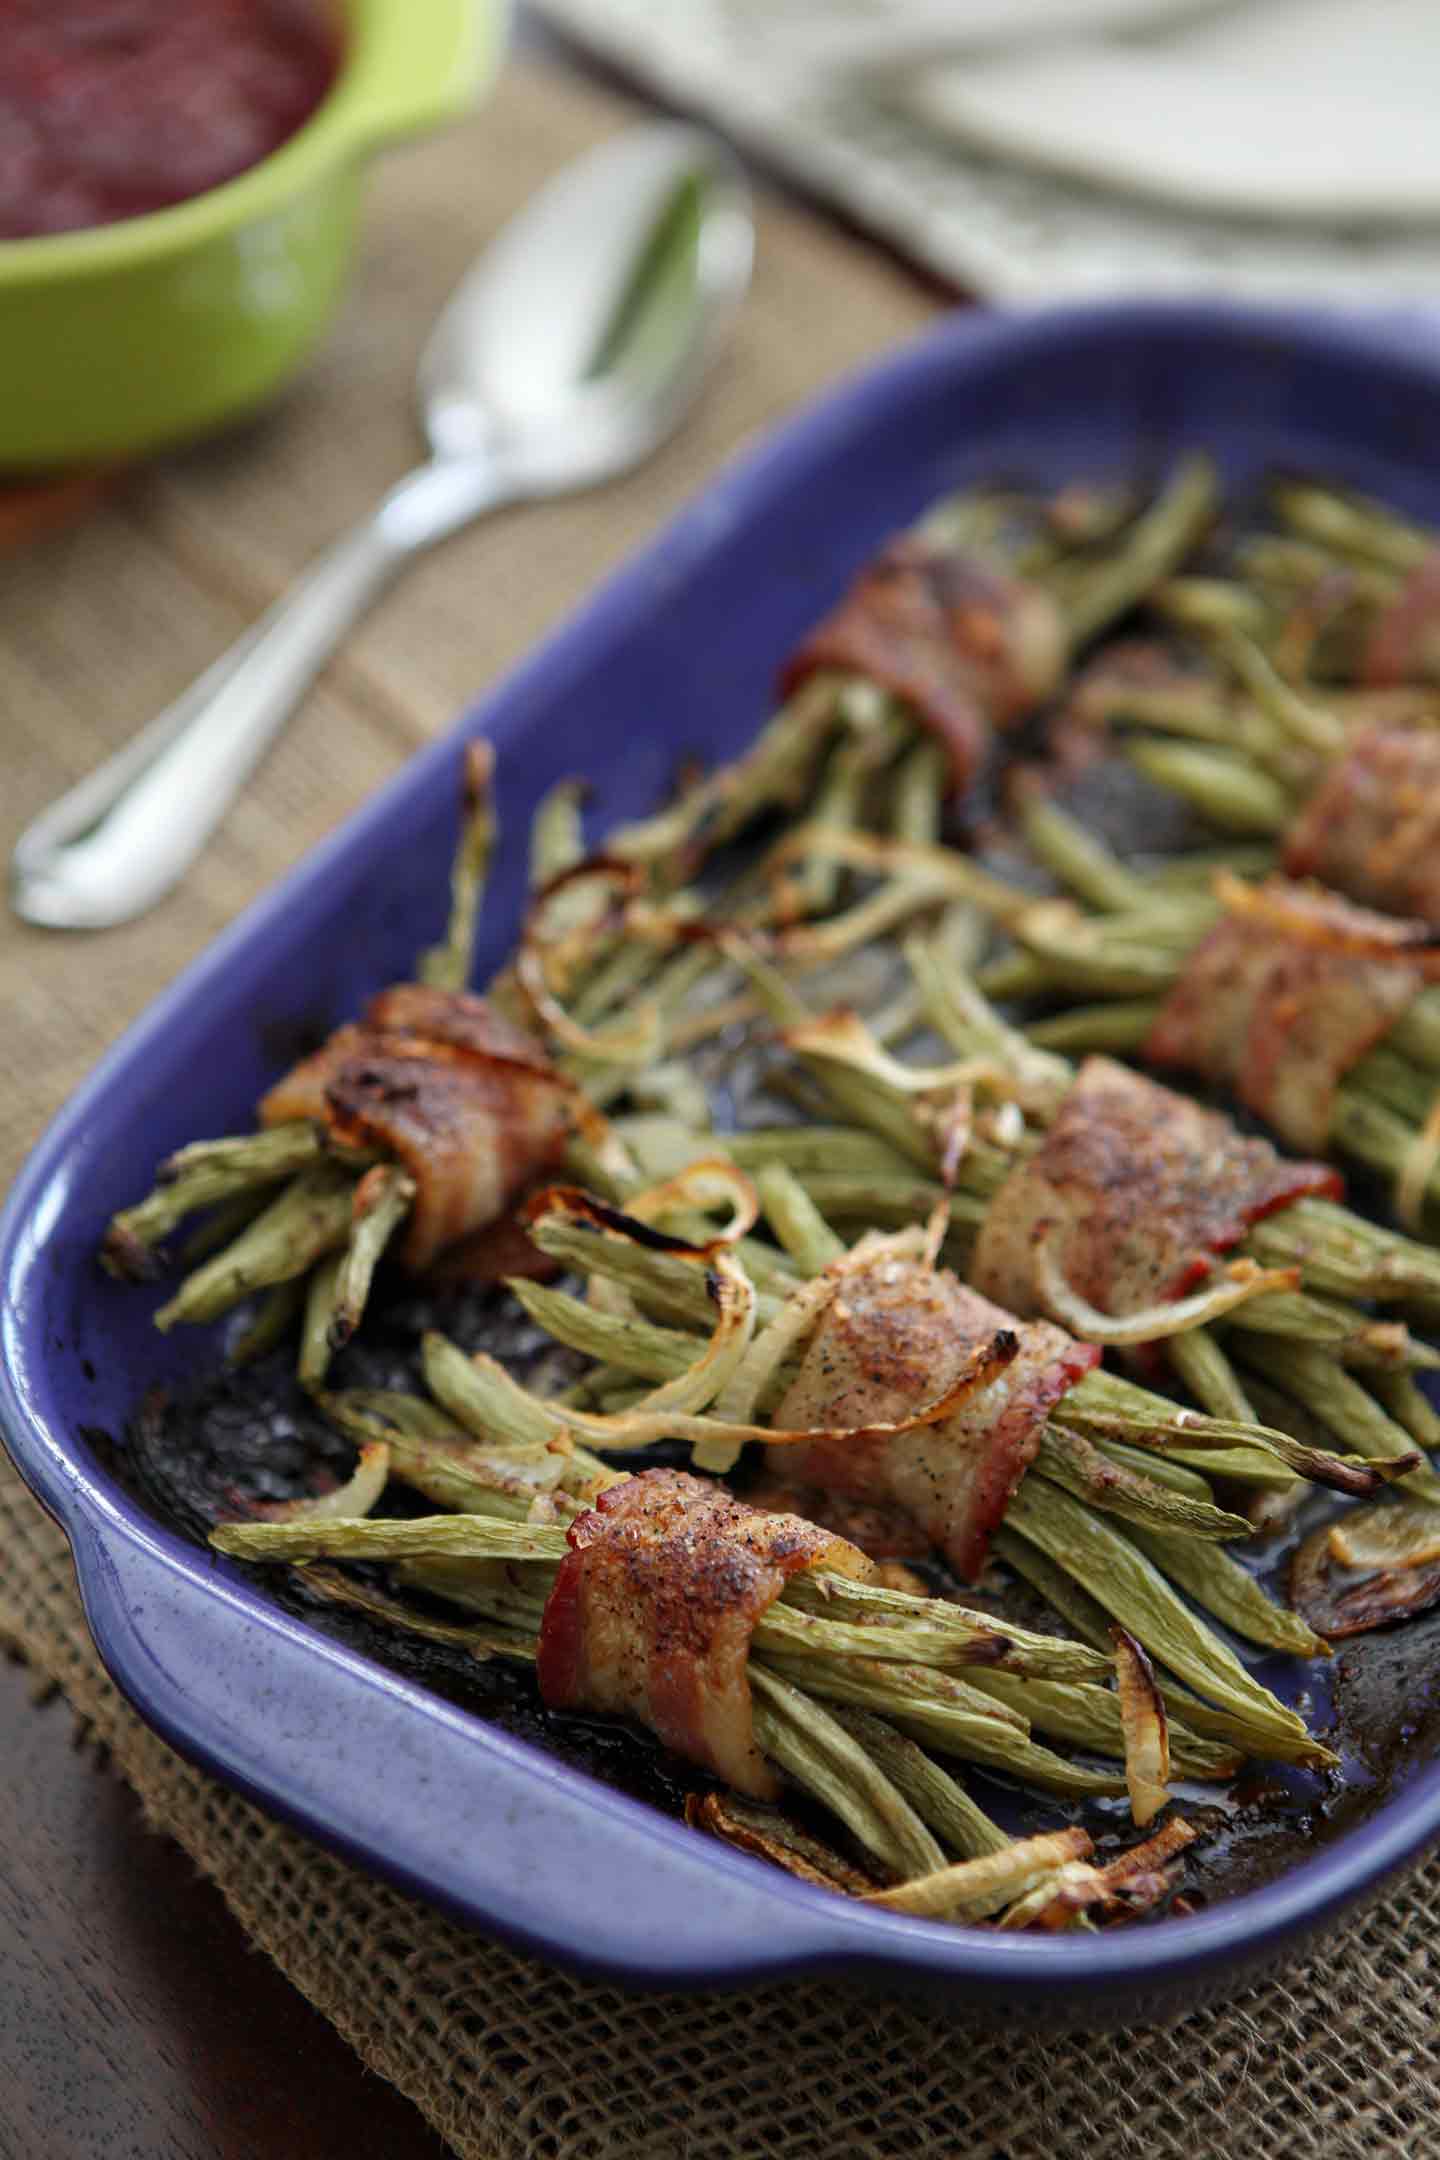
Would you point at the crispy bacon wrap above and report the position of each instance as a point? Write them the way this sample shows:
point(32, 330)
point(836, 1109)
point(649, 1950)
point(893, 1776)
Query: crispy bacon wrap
point(1285, 995)
point(1403, 645)
point(654, 1606)
point(967, 647)
point(439, 1081)
point(894, 1336)
point(1372, 827)
point(1135, 1189)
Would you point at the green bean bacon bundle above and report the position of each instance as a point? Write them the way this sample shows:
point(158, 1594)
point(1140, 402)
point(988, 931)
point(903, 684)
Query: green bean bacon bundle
point(1315, 1013)
point(757, 1646)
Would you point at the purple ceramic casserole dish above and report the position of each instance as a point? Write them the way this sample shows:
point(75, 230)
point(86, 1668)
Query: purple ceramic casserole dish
point(678, 653)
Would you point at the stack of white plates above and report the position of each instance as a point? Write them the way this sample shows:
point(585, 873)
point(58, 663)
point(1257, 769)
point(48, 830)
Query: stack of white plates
point(1049, 149)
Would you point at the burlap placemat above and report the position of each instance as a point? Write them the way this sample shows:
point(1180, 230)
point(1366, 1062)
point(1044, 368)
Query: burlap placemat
point(504, 2056)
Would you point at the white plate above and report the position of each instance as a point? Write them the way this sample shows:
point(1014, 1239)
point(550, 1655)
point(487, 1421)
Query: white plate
point(1322, 110)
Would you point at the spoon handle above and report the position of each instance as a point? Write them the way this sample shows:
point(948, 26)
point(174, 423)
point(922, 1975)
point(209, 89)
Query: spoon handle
point(116, 842)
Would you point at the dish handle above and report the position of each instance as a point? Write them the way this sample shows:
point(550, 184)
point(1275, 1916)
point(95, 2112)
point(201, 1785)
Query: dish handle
point(416, 67)
point(355, 1756)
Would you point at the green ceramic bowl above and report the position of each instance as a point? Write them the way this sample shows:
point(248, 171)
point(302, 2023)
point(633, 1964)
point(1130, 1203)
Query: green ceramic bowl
point(124, 337)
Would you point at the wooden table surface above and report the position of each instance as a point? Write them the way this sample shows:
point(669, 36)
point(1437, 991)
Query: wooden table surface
point(136, 2021)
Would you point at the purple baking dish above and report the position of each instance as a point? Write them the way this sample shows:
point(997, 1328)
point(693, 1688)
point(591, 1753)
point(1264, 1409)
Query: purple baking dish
point(677, 653)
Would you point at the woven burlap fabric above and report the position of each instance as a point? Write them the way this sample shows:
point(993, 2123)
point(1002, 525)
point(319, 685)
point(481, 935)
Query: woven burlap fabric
point(506, 2057)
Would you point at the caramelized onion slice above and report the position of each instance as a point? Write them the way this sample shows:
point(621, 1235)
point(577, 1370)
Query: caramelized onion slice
point(843, 1038)
point(1131, 1884)
point(357, 1496)
point(1239, 1282)
point(1145, 1727)
point(734, 1297)
point(571, 1204)
point(752, 1827)
point(628, 1042)
point(697, 1189)
point(762, 1360)
point(953, 874)
point(973, 1889)
point(1311, 915)
point(1405, 1535)
point(1338, 1604)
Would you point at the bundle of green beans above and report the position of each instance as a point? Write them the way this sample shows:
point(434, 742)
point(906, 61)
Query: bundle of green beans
point(1224, 728)
point(281, 1208)
point(847, 1679)
point(1286, 606)
point(1113, 967)
point(1258, 677)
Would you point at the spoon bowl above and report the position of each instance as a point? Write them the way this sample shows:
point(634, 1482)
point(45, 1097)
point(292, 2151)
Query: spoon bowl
point(568, 353)
point(557, 354)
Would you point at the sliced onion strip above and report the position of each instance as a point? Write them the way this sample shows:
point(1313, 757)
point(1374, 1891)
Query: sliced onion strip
point(1315, 916)
point(951, 873)
point(734, 1296)
point(630, 1042)
point(1132, 1883)
point(1241, 1281)
point(708, 1183)
point(972, 1889)
point(843, 1038)
point(571, 1204)
point(1146, 1730)
point(357, 1496)
point(1406, 1536)
point(635, 1042)
point(736, 1401)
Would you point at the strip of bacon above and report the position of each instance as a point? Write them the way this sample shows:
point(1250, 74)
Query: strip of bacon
point(1372, 827)
point(885, 1533)
point(301, 1093)
point(896, 1333)
point(457, 1017)
point(443, 1084)
point(1404, 641)
point(968, 647)
point(1136, 1189)
point(654, 1607)
point(1284, 996)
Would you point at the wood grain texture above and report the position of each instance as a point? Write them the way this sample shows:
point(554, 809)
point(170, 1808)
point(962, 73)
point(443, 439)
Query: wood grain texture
point(136, 2023)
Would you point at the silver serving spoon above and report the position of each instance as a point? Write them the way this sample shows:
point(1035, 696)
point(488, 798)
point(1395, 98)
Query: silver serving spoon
point(569, 351)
